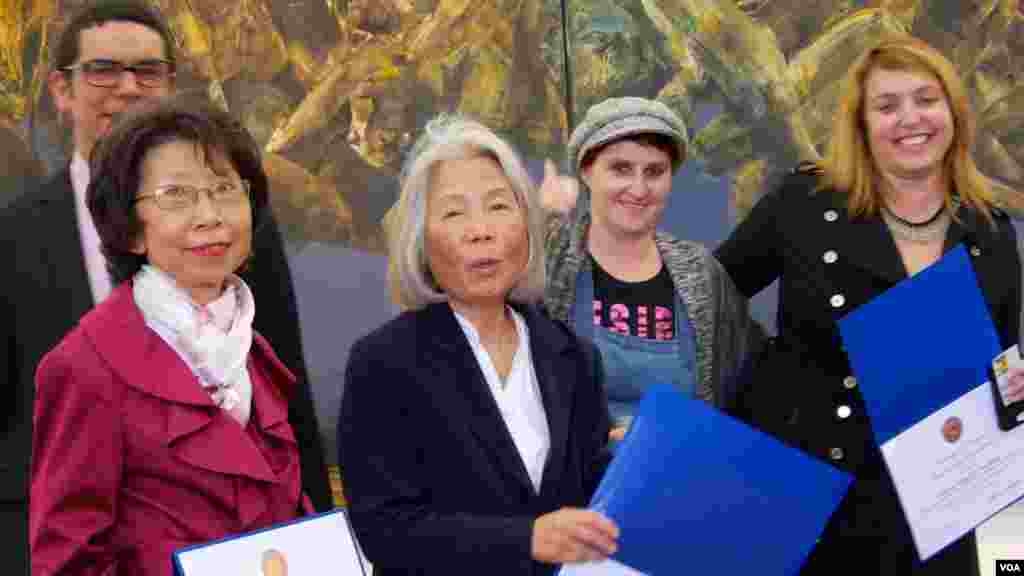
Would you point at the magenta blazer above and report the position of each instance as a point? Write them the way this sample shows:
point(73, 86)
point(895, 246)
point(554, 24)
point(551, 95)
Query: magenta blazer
point(131, 459)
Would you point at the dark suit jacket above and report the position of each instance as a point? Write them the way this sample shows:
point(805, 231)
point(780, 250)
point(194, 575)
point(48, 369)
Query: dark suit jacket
point(46, 291)
point(828, 264)
point(122, 423)
point(434, 481)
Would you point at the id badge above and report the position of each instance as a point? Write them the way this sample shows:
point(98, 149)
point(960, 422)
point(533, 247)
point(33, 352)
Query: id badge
point(1008, 387)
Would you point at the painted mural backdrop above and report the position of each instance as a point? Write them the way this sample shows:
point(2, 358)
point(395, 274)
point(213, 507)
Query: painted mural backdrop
point(771, 68)
point(336, 91)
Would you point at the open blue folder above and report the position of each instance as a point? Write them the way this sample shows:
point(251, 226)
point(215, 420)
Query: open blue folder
point(695, 491)
point(921, 344)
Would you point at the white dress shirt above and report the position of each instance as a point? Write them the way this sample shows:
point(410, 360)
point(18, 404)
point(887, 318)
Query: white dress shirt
point(95, 262)
point(518, 398)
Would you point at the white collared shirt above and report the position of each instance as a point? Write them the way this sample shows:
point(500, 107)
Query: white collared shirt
point(95, 262)
point(518, 399)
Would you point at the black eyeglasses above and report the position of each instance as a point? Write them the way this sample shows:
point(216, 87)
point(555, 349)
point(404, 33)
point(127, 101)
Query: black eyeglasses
point(107, 73)
point(175, 197)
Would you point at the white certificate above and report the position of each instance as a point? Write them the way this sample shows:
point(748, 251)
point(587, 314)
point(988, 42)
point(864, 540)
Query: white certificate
point(607, 567)
point(310, 546)
point(955, 469)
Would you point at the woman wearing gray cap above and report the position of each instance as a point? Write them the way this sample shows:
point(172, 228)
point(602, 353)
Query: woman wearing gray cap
point(658, 308)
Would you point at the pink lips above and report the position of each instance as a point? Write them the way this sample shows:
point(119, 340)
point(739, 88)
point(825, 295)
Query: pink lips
point(484, 264)
point(209, 250)
point(630, 203)
point(918, 140)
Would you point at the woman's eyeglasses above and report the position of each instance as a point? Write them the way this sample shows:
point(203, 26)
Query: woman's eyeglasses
point(179, 197)
point(107, 73)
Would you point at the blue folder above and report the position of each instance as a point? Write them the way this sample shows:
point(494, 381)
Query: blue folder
point(921, 344)
point(695, 491)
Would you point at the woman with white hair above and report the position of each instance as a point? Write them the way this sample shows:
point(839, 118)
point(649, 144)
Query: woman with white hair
point(472, 428)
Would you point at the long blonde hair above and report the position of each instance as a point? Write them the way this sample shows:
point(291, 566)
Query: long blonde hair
point(848, 165)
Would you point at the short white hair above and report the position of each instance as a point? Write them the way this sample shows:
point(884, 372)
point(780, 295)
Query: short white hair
point(455, 137)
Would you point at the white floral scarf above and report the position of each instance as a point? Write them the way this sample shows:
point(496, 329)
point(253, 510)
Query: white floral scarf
point(214, 340)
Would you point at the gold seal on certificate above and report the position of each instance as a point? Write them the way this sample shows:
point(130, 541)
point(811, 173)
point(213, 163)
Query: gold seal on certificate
point(274, 563)
point(952, 429)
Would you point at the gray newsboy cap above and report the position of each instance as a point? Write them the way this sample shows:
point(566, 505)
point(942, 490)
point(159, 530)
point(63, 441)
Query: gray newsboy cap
point(614, 118)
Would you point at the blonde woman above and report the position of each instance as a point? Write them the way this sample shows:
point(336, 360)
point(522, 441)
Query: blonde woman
point(896, 190)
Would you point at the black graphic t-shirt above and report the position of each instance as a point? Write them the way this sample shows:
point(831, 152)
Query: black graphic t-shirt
point(644, 309)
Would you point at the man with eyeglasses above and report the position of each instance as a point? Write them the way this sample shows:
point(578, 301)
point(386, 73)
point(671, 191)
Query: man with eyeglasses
point(112, 56)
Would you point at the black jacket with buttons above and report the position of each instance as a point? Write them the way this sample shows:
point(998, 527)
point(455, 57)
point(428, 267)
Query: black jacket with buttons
point(802, 390)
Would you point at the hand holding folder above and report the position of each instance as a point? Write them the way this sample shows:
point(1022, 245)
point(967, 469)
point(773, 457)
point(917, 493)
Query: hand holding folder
point(692, 489)
point(573, 535)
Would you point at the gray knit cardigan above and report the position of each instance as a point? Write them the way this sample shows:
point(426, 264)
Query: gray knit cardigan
point(725, 334)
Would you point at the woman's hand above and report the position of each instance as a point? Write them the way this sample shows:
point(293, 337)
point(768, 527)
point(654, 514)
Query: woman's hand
point(573, 535)
point(1014, 386)
point(617, 434)
point(557, 193)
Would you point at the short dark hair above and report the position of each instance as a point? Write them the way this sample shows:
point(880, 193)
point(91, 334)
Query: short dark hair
point(100, 12)
point(662, 142)
point(116, 168)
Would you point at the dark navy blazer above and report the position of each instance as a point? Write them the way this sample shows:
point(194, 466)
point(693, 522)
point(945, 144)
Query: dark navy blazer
point(434, 480)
